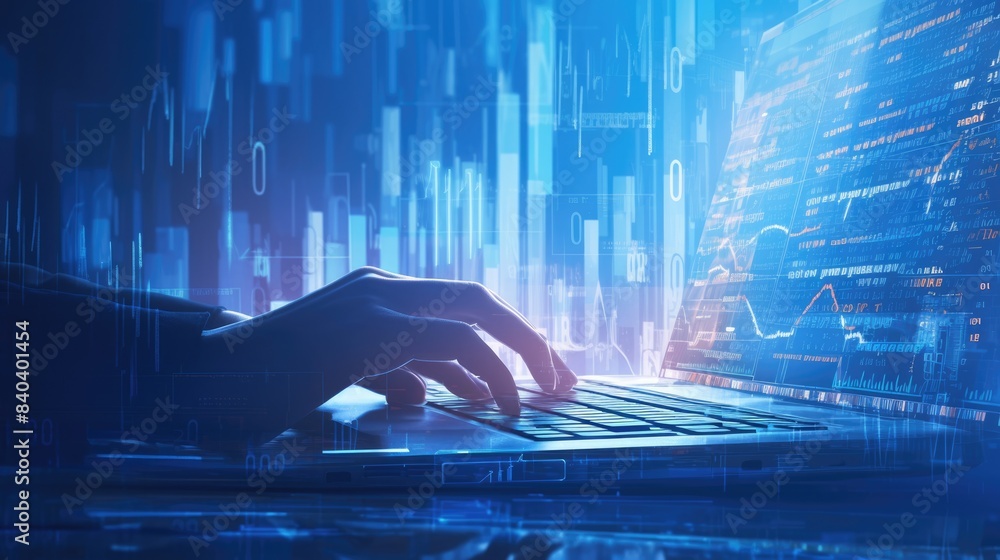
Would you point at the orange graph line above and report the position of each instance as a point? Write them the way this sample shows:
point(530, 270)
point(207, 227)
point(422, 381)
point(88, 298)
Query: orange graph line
point(788, 333)
point(833, 294)
point(728, 242)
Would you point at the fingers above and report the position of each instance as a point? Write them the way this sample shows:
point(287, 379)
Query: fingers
point(404, 386)
point(454, 377)
point(566, 378)
point(446, 340)
point(400, 387)
point(474, 304)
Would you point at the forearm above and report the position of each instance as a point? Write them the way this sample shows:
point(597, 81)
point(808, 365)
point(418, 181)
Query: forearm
point(123, 291)
point(105, 360)
point(98, 367)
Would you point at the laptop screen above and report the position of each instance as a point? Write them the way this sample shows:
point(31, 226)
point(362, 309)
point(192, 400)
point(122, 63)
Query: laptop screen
point(850, 252)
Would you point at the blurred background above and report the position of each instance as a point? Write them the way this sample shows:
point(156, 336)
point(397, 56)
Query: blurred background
point(247, 152)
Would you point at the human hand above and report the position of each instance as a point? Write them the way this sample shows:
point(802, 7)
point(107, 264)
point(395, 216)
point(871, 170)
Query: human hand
point(388, 331)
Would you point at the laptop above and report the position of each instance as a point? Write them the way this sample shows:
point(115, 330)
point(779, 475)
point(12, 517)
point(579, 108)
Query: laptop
point(840, 317)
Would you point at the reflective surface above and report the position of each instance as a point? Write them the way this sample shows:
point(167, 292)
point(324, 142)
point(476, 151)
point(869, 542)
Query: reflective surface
point(861, 518)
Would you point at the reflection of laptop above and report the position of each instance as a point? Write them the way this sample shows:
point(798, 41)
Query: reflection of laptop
point(839, 311)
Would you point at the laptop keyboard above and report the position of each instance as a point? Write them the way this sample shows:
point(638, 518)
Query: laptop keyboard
point(598, 410)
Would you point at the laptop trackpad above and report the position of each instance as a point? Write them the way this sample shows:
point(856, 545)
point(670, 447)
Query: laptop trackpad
point(359, 420)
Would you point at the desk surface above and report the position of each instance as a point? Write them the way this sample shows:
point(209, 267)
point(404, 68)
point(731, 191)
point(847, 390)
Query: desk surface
point(867, 518)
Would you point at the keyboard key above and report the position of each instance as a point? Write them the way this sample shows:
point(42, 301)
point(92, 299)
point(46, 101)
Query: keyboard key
point(612, 412)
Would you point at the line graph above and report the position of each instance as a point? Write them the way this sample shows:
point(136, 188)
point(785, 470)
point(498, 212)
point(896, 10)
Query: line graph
point(727, 243)
point(833, 294)
point(791, 331)
point(756, 325)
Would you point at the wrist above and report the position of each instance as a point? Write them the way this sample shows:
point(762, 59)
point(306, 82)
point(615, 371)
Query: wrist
point(223, 318)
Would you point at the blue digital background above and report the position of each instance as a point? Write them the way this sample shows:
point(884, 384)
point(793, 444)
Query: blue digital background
point(563, 152)
point(244, 153)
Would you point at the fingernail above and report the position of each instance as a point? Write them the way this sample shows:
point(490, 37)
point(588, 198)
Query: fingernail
point(566, 383)
point(554, 375)
point(547, 371)
point(509, 404)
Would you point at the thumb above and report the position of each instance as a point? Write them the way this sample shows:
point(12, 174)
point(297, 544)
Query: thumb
point(400, 387)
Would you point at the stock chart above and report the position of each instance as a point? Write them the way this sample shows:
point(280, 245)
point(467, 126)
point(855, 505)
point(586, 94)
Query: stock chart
point(852, 244)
